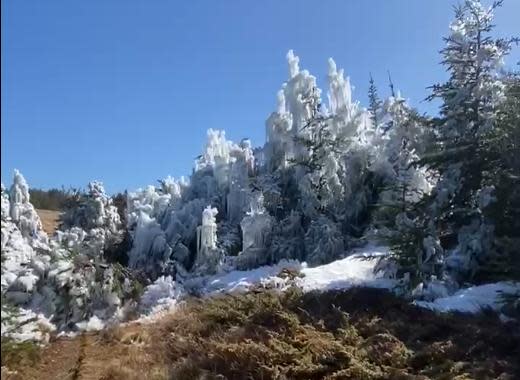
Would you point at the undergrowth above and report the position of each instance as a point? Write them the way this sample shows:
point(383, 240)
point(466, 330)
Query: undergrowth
point(349, 334)
point(356, 334)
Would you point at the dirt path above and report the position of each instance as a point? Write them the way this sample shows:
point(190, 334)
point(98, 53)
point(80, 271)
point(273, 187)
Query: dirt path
point(118, 353)
point(58, 361)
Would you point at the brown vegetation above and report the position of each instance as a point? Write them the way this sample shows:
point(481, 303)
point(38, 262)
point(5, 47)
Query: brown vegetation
point(355, 334)
point(115, 353)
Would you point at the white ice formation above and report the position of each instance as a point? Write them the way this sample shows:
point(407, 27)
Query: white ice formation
point(307, 195)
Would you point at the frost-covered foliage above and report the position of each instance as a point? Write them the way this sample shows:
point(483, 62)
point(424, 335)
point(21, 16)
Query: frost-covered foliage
point(164, 222)
point(256, 229)
point(145, 207)
point(62, 282)
point(96, 215)
point(323, 241)
point(161, 295)
point(474, 61)
point(499, 197)
point(22, 238)
point(22, 212)
point(401, 143)
point(308, 194)
point(208, 256)
point(450, 234)
point(5, 203)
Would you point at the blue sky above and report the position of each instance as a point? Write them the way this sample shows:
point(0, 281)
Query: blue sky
point(123, 90)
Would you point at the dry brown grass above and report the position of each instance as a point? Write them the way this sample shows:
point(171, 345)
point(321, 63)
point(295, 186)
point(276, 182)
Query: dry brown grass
point(355, 334)
point(50, 220)
point(125, 352)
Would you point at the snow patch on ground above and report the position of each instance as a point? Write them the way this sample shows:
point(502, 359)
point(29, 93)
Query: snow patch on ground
point(354, 270)
point(93, 324)
point(27, 325)
point(244, 280)
point(474, 298)
point(164, 295)
point(159, 298)
point(357, 269)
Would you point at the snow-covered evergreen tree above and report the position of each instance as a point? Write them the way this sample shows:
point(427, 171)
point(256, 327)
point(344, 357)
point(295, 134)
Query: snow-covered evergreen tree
point(22, 212)
point(401, 141)
point(451, 231)
point(96, 215)
point(60, 282)
point(499, 198)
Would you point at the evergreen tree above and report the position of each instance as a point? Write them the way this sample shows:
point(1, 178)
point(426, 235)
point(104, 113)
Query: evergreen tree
point(500, 150)
point(374, 102)
point(451, 220)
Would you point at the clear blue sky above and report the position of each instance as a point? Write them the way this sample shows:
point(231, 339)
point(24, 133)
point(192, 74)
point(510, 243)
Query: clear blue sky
point(123, 90)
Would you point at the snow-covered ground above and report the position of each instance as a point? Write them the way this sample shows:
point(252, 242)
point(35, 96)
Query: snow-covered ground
point(474, 298)
point(245, 280)
point(354, 270)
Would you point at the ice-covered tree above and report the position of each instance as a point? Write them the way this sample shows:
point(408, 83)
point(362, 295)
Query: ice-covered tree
point(256, 229)
point(53, 281)
point(401, 142)
point(499, 198)
point(451, 223)
point(22, 212)
point(279, 139)
point(323, 241)
point(5, 204)
point(95, 214)
point(161, 226)
point(474, 60)
point(208, 256)
point(326, 138)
